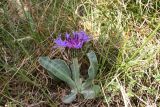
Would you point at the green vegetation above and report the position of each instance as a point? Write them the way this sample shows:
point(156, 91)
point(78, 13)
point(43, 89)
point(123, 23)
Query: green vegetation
point(126, 41)
point(61, 70)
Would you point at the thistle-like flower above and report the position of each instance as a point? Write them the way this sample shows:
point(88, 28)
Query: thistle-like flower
point(76, 41)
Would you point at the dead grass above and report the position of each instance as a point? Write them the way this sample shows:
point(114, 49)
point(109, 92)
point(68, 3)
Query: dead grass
point(125, 39)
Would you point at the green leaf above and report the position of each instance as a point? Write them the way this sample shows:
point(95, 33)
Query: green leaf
point(86, 84)
point(58, 68)
point(75, 67)
point(92, 71)
point(91, 92)
point(69, 98)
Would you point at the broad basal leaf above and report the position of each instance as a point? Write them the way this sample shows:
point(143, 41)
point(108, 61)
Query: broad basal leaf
point(75, 67)
point(91, 92)
point(92, 71)
point(69, 98)
point(93, 68)
point(58, 68)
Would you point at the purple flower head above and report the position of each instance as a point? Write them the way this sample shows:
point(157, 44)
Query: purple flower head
point(76, 41)
point(59, 42)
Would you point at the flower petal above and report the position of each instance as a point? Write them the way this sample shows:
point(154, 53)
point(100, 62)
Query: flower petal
point(83, 36)
point(60, 42)
point(67, 36)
